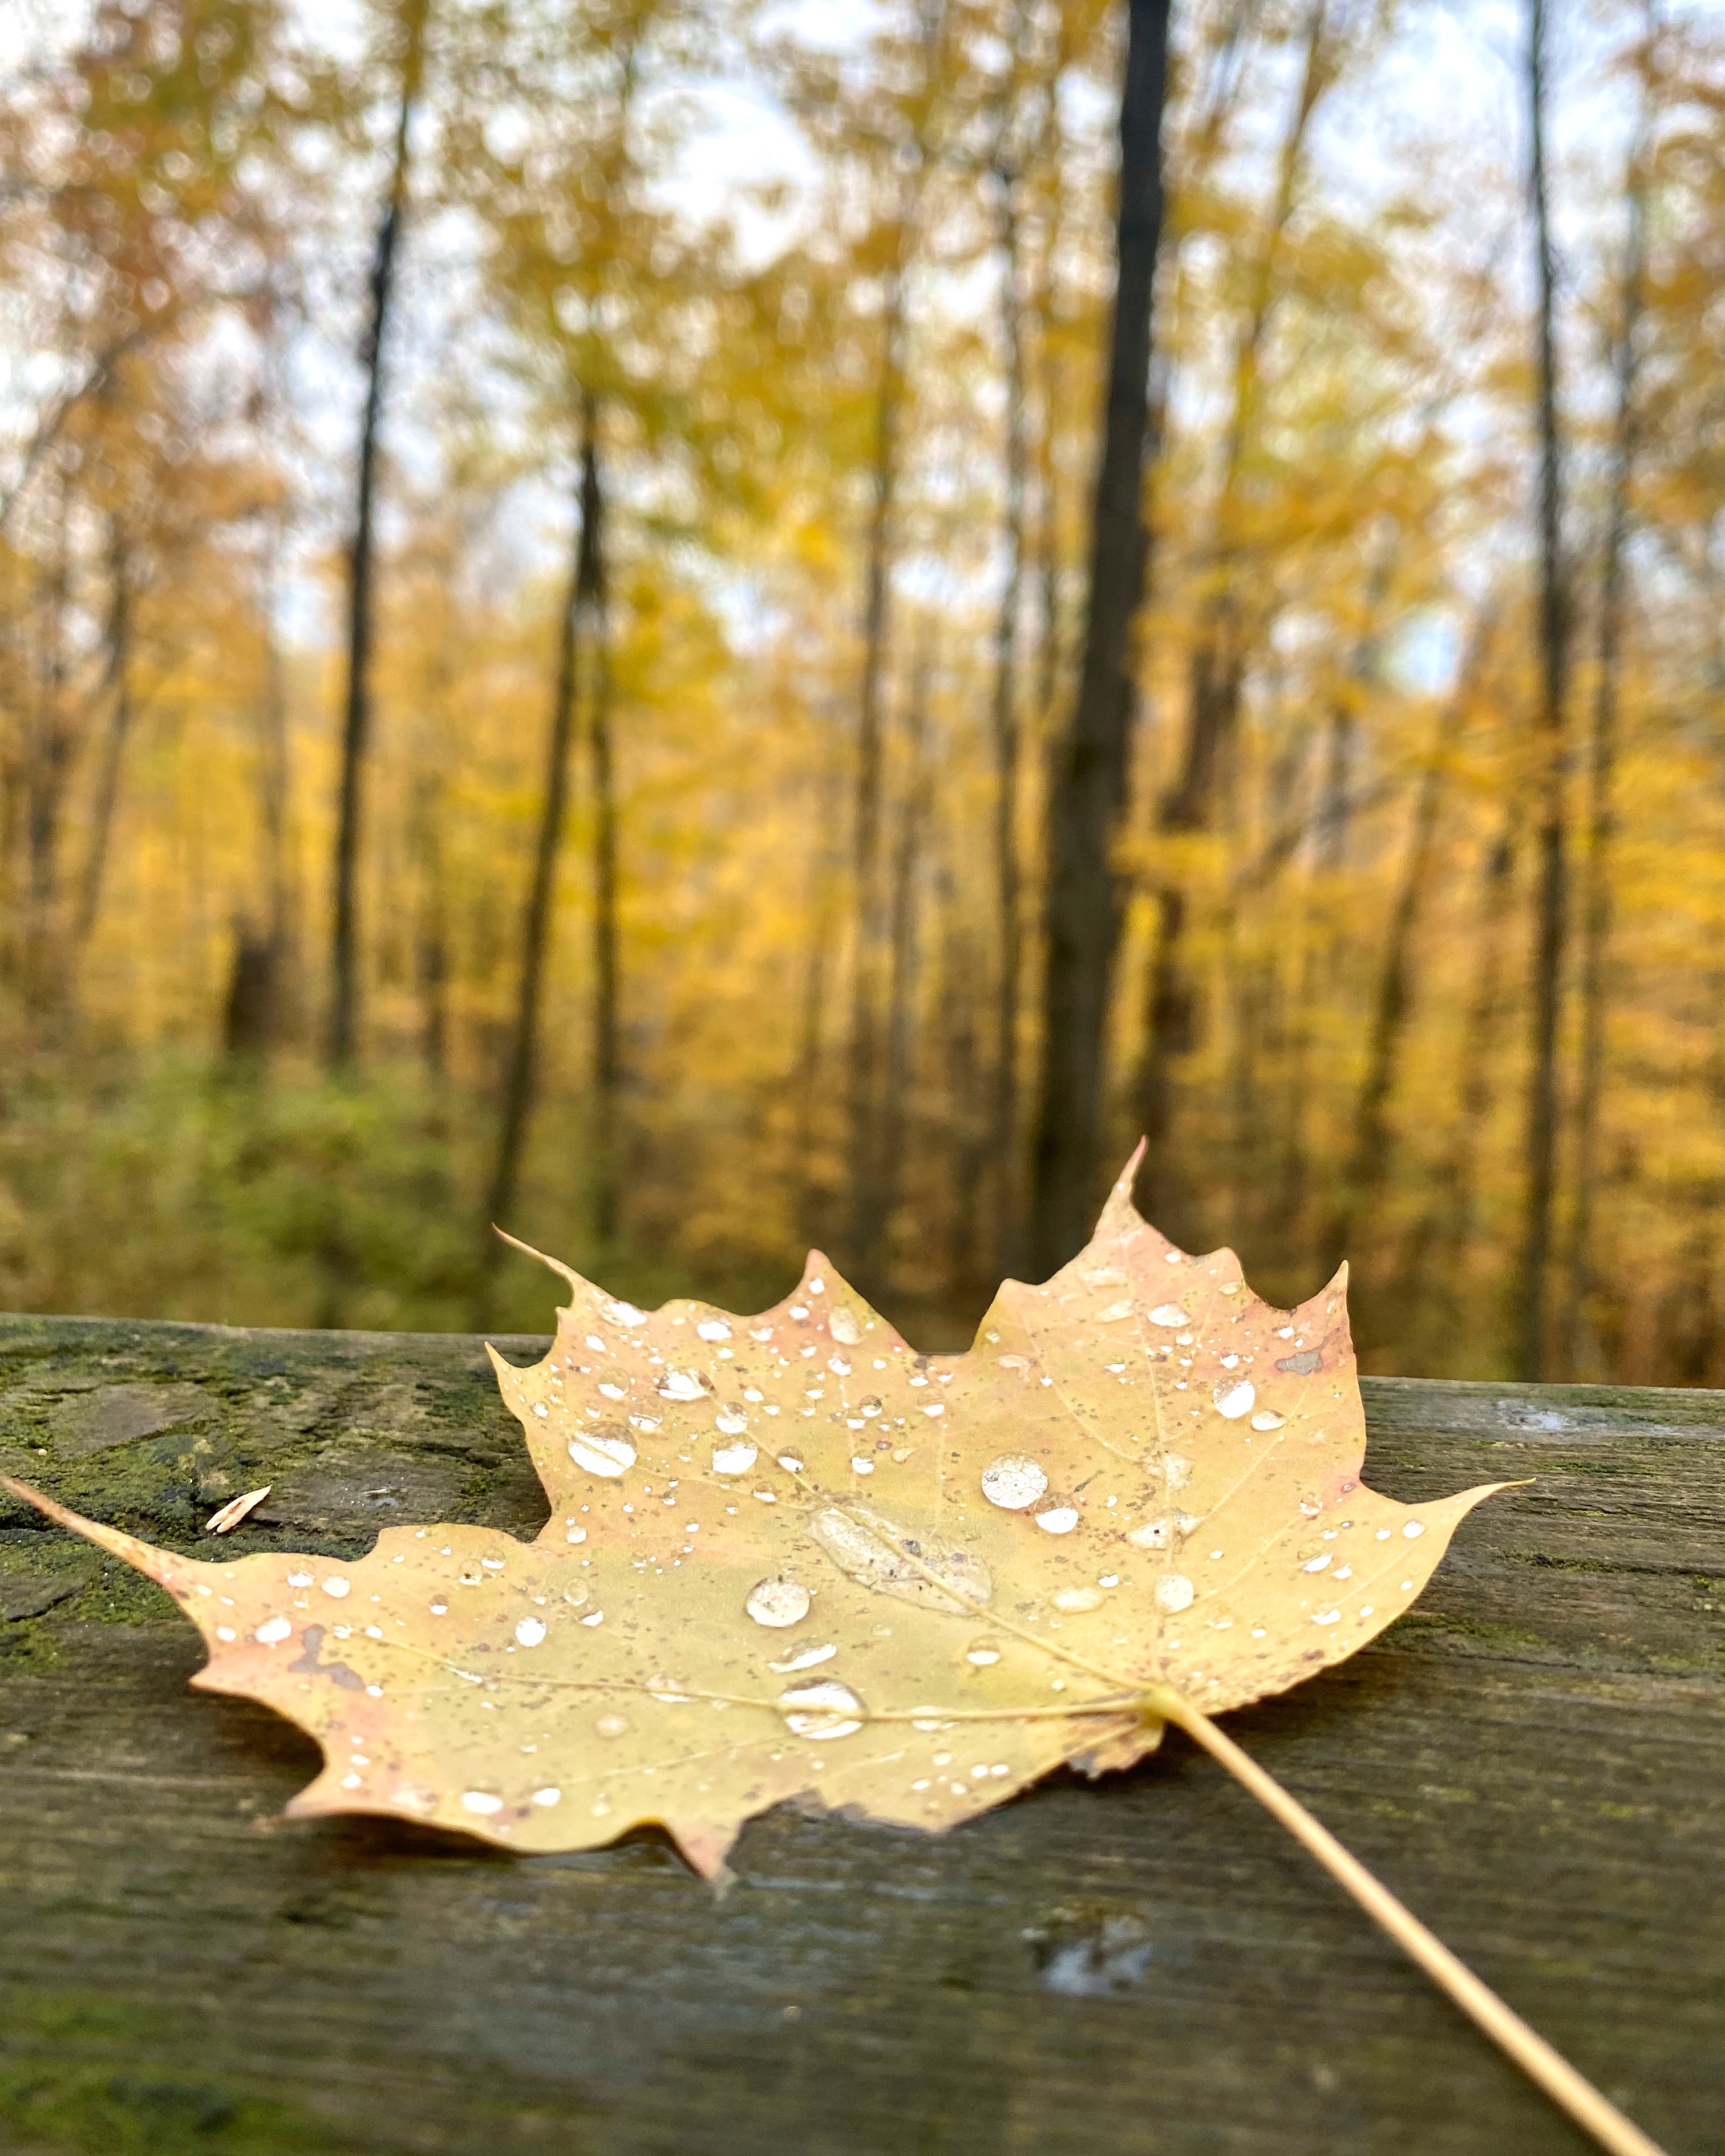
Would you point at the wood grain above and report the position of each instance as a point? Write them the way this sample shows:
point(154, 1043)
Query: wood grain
point(1534, 1759)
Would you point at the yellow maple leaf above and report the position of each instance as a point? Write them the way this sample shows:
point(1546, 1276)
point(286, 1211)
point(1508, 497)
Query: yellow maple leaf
point(790, 1558)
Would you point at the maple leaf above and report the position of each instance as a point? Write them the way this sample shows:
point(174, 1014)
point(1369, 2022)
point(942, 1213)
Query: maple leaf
point(789, 1556)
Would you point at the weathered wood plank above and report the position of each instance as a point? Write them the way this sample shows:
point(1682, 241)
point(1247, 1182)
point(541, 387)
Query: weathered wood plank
point(1535, 1758)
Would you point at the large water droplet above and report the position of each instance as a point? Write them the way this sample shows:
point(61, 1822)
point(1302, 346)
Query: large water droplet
point(481, 1801)
point(713, 1328)
point(1233, 1397)
point(1059, 1521)
point(1167, 1313)
point(983, 1652)
point(733, 1459)
point(777, 1602)
point(823, 1709)
point(1013, 1481)
point(683, 1385)
point(1174, 1592)
point(644, 1418)
point(870, 1406)
point(841, 1323)
point(272, 1631)
point(602, 1452)
point(1267, 1419)
point(804, 1658)
point(529, 1632)
point(731, 1419)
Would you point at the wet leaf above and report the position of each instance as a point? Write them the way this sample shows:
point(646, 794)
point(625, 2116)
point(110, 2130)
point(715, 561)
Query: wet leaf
point(790, 1558)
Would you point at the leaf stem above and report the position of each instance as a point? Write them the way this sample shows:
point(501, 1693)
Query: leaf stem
point(1545, 2066)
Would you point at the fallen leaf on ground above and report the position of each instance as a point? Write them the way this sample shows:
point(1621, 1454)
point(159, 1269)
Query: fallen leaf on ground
point(789, 1556)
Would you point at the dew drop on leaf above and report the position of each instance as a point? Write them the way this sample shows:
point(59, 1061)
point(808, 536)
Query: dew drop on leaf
point(1234, 1398)
point(733, 1459)
point(731, 1419)
point(1167, 1313)
point(481, 1801)
point(983, 1652)
point(841, 1323)
point(1267, 1419)
point(1060, 1519)
point(602, 1452)
point(612, 1725)
point(713, 1328)
point(1013, 1481)
point(529, 1632)
point(804, 1658)
point(1174, 1592)
point(1078, 1598)
point(823, 1709)
point(777, 1602)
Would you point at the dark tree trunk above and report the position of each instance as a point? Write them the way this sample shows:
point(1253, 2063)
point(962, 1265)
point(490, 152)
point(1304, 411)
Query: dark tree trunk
point(1083, 900)
point(342, 1038)
point(1003, 713)
point(1549, 890)
point(1601, 764)
point(1218, 679)
point(581, 607)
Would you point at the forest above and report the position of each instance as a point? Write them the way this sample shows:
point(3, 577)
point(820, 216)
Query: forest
point(701, 627)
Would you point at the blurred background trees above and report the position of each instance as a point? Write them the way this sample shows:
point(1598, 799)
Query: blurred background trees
point(642, 458)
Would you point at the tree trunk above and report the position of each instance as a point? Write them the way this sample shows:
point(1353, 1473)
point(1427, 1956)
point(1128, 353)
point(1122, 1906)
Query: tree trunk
point(1602, 759)
point(1004, 714)
point(606, 1046)
point(1549, 896)
point(883, 1184)
point(1218, 677)
point(580, 606)
point(357, 719)
point(1084, 897)
point(117, 687)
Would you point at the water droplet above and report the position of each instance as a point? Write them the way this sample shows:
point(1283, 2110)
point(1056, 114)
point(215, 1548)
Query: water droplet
point(841, 1323)
point(529, 1632)
point(823, 1709)
point(733, 1459)
point(546, 1797)
point(272, 1630)
point(983, 1652)
point(1382, 1535)
point(611, 1385)
point(1231, 1362)
point(731, 1419)
point(1013, 1481)
point(1267, 1419)
point(790, 1463)
point(299, 1579)
point(804, 1658)
point(481, 1801)
point(860, 1464)
point(1233, 1398)
point(573, 1534)
point(1060, 1521)
point(799, 1309)
point(766, 1496)
point(336, 1586)
point(597, 1618)
point(683, 1385)
point(1174, 1592)
point(777, 1602)
point(1167, 1313)
point(1078, 1598)
point(713, 1328)
point(870, 1406)
point(1328, 1617)
point(1152, 1535)
point(602, 1452)
point(1316, 1564)
point(644, 1418)
point(226, 1632)
point(1413, 1528)
point(839, 1366)
point(541, 1410)
point(623, 1313)
point(612, 1725)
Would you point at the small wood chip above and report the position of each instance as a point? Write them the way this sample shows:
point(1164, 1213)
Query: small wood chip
point(234, 1512)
